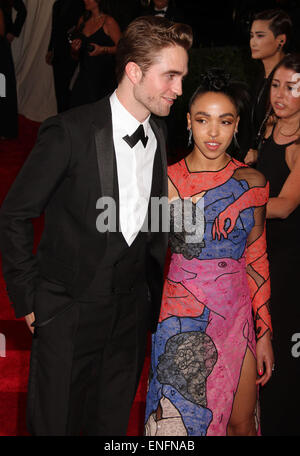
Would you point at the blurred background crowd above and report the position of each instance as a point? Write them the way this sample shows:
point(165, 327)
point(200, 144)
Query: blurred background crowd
point(46, 73)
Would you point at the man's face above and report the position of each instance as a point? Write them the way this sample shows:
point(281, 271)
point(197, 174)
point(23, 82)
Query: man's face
point(162, 83)
point(160, 4)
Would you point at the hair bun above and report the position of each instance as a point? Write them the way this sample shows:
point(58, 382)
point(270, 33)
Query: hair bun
point(215, 79)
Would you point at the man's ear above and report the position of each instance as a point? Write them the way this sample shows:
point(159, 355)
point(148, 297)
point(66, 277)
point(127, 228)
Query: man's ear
point(133, 72)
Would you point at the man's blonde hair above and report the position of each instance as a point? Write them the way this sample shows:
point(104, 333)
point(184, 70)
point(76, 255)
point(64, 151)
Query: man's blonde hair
point(145, 37)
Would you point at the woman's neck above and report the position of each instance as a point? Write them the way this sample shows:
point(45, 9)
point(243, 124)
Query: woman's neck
point(198, 162)
point(96, 13)
point(289, 127)
point(270, 62)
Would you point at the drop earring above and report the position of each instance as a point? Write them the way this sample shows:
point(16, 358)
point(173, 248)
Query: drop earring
point(235, 140)
point(280, 45)
point(190, 137)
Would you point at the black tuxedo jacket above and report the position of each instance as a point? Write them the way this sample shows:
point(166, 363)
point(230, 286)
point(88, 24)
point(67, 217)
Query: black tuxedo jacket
point(68, 170)
point(173, 13)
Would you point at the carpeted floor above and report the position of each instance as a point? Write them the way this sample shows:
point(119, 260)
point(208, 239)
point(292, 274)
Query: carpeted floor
point(14, 356)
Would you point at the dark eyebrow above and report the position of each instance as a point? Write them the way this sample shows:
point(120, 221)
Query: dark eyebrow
point(286, 82)
point(175, 72)
point(227, 114)
point(202, 113)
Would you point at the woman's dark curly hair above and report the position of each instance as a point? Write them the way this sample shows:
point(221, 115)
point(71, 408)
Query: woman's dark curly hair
point(219, 81)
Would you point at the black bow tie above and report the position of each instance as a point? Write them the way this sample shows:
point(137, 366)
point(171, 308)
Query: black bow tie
point(139, 134)
point(160, 11)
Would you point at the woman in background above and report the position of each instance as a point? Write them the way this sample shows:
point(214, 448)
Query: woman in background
point(95, 45)
point(279, 161)
point(269, 39)
point(207, 358)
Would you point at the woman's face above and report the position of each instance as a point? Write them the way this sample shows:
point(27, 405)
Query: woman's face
point(213, 119)
point(90, 5)
point(285, 93)
point(263, 43)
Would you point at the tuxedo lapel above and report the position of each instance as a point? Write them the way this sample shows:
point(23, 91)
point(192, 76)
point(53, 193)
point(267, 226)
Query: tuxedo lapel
point(105, 154)
point(162, 148)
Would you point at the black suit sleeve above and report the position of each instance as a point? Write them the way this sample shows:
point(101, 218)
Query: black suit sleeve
point(20, 19)
point(29, 195)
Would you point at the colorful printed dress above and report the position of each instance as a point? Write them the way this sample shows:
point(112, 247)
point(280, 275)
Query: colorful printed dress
point(216, 288)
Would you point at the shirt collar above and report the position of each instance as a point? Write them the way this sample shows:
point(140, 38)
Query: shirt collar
point(161, 9)
point(126, 121)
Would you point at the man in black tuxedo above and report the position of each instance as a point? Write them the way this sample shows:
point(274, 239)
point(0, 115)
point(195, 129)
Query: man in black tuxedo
point(94, 287)
point(65, 15)
point(165, 8)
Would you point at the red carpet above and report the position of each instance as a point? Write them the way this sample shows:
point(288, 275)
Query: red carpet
point(14, 360)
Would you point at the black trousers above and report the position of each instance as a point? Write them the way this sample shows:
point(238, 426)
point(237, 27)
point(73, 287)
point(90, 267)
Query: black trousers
point(86, 364)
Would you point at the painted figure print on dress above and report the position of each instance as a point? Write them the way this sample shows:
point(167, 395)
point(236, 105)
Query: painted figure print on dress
point(212, 288)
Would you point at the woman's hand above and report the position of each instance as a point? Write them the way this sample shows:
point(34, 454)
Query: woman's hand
point(10, 37)
point(251, 157)
point(76, 45)
point(49, 57)
point(264, 358)
point(218, 229)
point(98, 50)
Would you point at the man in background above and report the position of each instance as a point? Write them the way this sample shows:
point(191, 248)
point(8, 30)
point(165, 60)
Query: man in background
point(165, 8)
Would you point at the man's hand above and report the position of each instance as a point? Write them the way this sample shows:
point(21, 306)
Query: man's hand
point(30, 318)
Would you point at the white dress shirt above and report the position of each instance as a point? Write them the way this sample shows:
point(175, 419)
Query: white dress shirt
point(162, 12)
point(134, 168)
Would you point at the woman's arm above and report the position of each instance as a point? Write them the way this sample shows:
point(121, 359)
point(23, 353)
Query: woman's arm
point(112, 29)
point(289, 197)
point(76, 43)
point(260, 292)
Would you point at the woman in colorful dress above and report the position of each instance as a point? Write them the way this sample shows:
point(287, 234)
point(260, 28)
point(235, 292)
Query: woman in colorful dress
point(212, 347)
